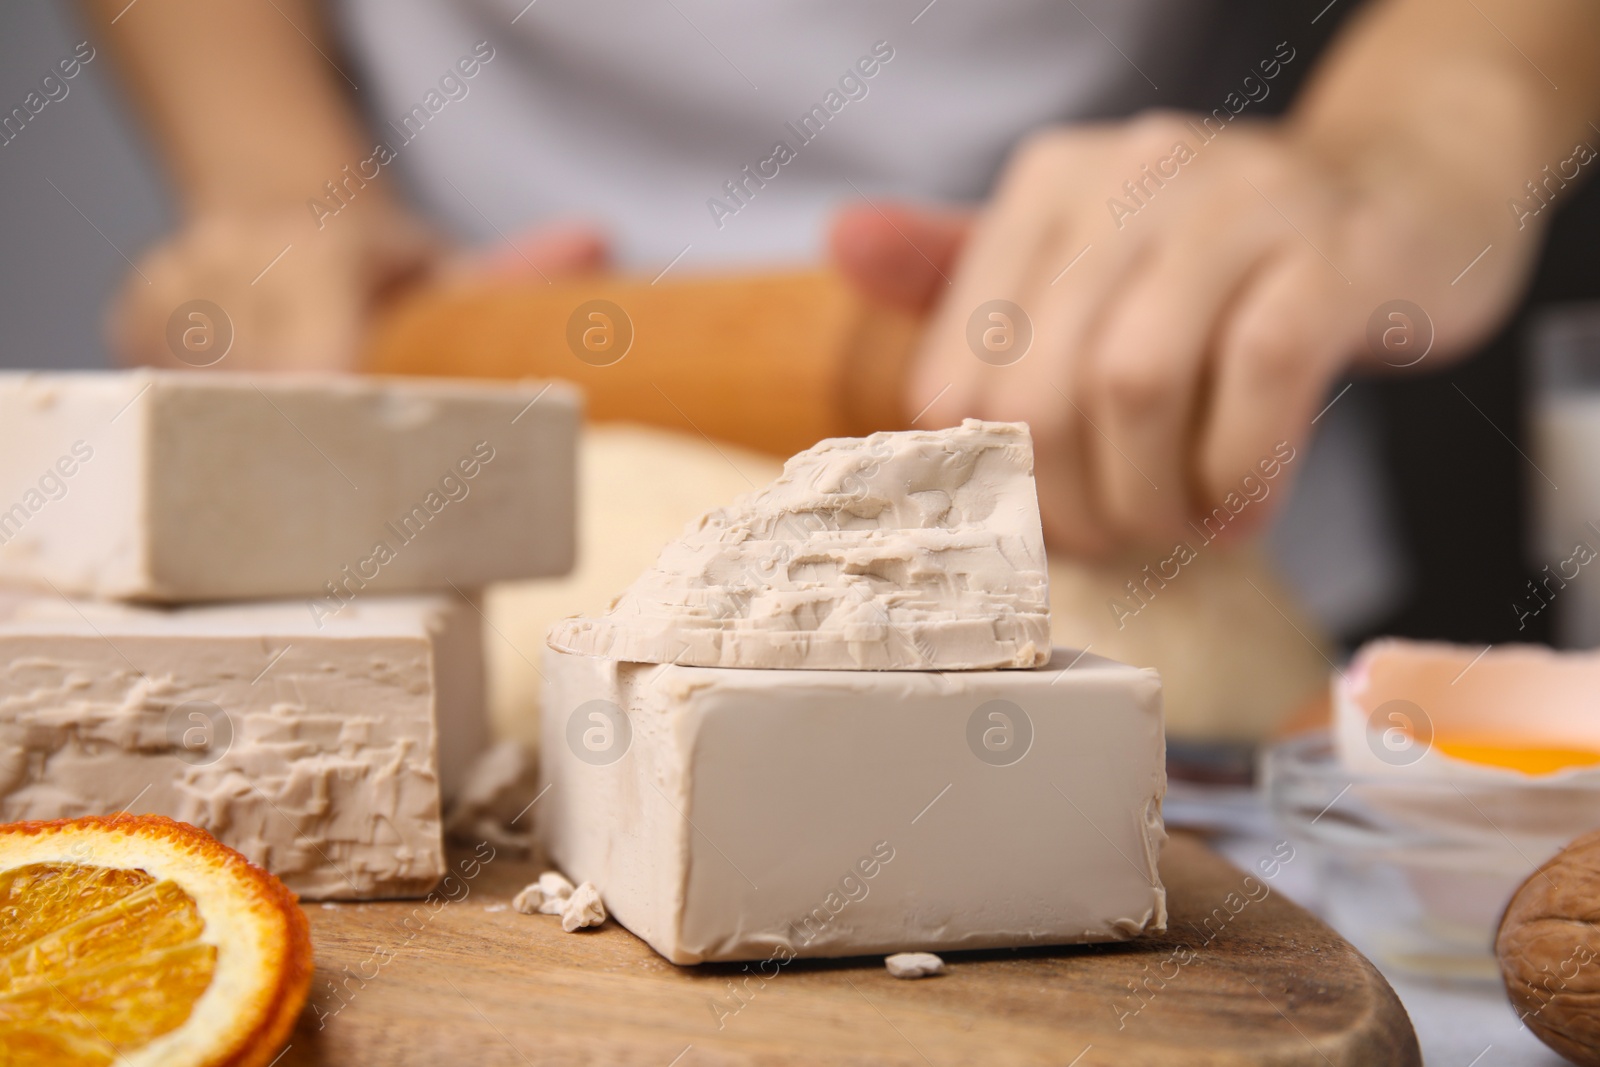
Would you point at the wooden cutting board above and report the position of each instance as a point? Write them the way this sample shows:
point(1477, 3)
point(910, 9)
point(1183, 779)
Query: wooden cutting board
point(470, 981)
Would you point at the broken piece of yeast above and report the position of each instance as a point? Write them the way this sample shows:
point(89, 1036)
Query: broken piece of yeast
point(175, 487)
point(912, 551)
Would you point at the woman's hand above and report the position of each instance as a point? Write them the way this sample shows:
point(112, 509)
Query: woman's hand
point(1176, 308)
point(1193, 290)
point(294, 296)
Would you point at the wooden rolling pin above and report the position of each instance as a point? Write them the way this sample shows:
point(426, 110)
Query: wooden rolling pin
point(770, 361)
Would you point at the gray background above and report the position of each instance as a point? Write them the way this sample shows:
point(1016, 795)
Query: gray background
point(56, 272)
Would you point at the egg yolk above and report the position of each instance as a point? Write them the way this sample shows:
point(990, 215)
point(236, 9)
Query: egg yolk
point(1529, 759)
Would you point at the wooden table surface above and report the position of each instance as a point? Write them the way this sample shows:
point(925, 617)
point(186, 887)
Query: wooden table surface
point(469, 981)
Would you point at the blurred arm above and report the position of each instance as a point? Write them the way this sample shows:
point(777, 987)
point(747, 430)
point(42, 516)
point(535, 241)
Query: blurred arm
point(1431, 69)
point(1482, 93)
point(243, 97)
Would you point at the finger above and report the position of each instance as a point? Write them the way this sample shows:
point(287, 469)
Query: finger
point(1065, 497)
point(138, 320)
point(402, 255)
point(1045, 388)
point(1010, 238)
point(322, 336)
point(133, 323)
point(897, 254)
point(1142, 372)
point(1276, 356)
point(542, 253)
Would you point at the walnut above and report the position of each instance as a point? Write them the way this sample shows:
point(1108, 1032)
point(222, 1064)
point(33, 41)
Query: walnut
point(1549, 951)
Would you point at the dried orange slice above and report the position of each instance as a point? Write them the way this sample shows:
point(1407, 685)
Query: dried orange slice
point(136, 940)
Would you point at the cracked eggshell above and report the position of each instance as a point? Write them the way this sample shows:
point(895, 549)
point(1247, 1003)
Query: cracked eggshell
point(1510, 715)
point(1464, 749)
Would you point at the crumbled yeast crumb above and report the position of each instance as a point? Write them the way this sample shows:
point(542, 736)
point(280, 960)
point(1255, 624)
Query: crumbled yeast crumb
point(584, 908)
point(547, 896)
point(914, 964)
point(556, 890)
point(527, 902)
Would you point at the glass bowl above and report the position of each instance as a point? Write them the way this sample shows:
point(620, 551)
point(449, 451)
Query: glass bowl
point(1416, 871)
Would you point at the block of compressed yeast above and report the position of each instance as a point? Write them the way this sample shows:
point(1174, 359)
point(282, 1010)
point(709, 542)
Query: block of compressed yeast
point(918, 550)
point(730, 814)
point(453, 625)
point(176, 487)
point(314, 750)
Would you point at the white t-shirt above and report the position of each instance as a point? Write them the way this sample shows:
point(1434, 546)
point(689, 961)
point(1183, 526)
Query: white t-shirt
point(636, 113)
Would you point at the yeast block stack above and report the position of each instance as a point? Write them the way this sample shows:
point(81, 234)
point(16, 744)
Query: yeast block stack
point(828, 722)
point(249, 603)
